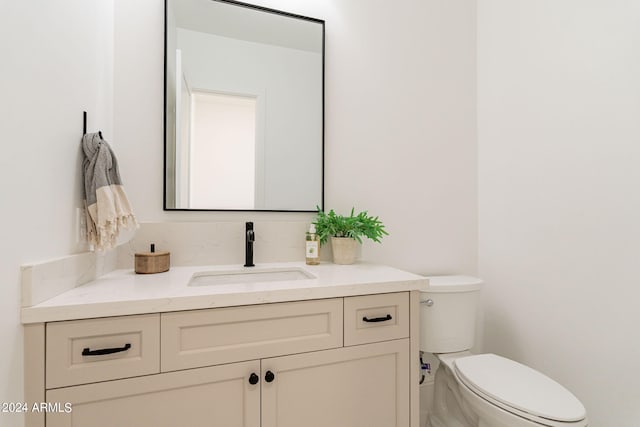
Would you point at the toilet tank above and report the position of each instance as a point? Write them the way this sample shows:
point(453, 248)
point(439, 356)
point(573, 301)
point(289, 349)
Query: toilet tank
point(448, 309)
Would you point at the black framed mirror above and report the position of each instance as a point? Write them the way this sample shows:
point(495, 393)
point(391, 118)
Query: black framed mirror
point(243, 108)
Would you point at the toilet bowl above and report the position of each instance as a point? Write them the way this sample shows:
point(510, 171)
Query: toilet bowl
point(483, 390)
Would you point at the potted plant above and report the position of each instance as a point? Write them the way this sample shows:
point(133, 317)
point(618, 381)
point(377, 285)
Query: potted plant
point(346, 232)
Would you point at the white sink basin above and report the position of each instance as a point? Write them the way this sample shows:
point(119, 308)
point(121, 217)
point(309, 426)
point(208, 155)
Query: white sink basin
point(249, 275)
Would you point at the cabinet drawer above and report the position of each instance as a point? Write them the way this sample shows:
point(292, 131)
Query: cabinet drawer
point(75, 349)
point(208, 337)
point(374, 318)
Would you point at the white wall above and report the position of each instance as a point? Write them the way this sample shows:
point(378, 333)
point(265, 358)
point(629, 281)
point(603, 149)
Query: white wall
point(57, 59)
point(400, 122)
point(559, 148)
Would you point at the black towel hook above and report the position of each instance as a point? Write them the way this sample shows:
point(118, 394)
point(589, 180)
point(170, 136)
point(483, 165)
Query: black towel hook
point(84, 125)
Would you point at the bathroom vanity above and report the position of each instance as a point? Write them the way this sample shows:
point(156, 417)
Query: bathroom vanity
point(324, 345)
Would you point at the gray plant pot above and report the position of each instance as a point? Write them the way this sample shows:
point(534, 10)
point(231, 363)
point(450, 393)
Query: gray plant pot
point(344, 250)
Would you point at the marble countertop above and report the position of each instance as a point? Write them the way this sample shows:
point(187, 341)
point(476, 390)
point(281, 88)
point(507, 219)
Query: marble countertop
point(122, 292)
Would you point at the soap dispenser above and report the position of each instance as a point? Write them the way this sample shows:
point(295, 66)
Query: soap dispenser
point(312, 246)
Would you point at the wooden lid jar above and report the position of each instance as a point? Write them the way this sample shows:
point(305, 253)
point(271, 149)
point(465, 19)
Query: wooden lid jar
point(152, 262)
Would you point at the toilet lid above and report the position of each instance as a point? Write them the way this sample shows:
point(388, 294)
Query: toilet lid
point(520, 387)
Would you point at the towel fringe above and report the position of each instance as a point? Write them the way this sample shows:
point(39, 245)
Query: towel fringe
point(105, 236)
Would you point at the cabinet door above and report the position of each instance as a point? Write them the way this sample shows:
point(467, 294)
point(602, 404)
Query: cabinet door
point(214, 396)
point(360, 386)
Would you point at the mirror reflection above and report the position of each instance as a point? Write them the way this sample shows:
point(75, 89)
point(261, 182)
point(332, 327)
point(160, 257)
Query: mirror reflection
point(243, 108)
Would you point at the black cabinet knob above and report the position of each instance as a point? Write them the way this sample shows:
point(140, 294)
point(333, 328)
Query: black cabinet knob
point(253, 378)
point(269, 376)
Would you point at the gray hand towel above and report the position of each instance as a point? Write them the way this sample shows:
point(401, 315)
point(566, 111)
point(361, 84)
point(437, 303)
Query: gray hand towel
point(107, 206)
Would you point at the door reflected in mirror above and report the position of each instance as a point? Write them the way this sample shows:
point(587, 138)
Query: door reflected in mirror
point(244, 108)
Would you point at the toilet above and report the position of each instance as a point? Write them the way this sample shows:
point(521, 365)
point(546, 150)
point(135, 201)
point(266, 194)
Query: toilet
point(483, 390)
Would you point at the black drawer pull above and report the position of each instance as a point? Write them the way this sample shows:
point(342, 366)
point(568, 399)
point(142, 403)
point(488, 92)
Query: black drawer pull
point(88, 352)
point(377, 319)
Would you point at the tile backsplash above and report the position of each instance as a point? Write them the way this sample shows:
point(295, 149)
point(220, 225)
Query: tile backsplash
point(43, 280)
point(207, 243)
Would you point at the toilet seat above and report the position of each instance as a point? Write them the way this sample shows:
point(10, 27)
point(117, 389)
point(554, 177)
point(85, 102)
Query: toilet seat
point(519, 389)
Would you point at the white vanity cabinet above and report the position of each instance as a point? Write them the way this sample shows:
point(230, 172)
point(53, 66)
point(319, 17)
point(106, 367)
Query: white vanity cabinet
point(344, 361)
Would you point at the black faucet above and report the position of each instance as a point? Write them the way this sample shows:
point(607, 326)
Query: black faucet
point(249, 238)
